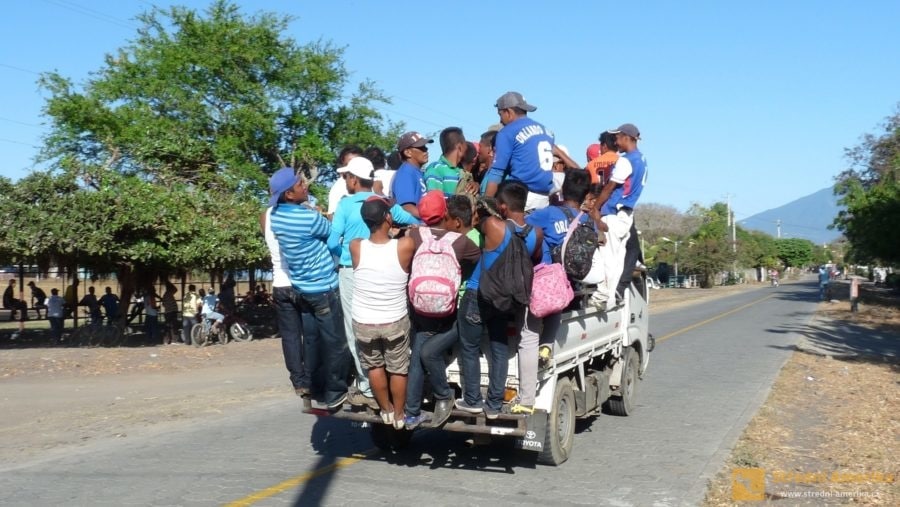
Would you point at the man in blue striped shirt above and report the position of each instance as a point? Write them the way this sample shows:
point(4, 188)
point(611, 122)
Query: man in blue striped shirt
point(302, 233)
point(348, 225)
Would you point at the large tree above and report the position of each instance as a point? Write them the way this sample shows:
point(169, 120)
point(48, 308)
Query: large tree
point(709, 250)
point(870, 190)
point(160, 159)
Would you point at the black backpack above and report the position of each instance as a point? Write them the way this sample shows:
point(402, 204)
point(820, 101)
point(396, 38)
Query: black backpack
point(576, 253)
point(506, 285)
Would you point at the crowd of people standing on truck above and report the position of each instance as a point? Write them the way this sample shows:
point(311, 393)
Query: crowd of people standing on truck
point(415, 256)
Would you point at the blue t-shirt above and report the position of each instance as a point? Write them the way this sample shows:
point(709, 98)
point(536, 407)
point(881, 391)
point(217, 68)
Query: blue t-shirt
point(627, 194)
point(488, 257)
point(301, 233)
point(348, 224)
point(526, 149)
point(553, 221)
point(408, 185)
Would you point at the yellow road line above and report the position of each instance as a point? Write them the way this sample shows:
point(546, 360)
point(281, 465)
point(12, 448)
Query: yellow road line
point(300, 479)
point(707, 321)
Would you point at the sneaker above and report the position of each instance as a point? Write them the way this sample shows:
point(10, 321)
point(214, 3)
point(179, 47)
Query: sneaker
point(545, 354)
point(465, 407)
point(442, 410)
point(338, 402)
point(387, 417)
point(399, 423)
point(14, 336)
point(357, 398)
point(491, 413)
point(413, 421)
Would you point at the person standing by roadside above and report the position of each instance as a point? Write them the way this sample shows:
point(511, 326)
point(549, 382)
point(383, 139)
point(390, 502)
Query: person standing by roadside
point(296, 348)
point(90, 300)
point(189, 305)
point(110, 304)
point(347, 225)
point(151, 312)
point(170, 310)
point(409, 185)
point(617, 201)
point(380, 316)
point(301, 234)
point(55, 315)
point(71, 297)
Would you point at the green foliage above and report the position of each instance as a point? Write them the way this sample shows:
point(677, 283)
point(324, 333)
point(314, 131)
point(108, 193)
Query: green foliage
point(756, 249)
point(709, 249)
point(218, 101)
point(795, 252)
point(870, 190)
point(160, 159)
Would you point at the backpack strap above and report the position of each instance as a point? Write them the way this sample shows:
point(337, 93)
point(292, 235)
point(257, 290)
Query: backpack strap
point(572, 225)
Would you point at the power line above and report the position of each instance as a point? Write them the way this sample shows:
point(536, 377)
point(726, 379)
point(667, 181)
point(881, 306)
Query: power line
point(87, 11)
point(20, 69)
point(17, 142)
point(21, 122)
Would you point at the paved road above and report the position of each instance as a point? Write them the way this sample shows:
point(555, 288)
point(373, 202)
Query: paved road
point(713, 367)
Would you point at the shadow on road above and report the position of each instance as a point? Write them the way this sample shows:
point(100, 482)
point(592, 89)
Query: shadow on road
point(837, 337)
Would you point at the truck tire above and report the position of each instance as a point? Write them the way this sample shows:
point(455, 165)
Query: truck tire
point(560, 426)
point(622, 404)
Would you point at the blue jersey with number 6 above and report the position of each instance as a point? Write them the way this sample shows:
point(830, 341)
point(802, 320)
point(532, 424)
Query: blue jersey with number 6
point(525, 149)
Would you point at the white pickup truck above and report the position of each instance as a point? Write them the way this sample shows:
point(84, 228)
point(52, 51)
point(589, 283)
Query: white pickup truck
point(598, 356)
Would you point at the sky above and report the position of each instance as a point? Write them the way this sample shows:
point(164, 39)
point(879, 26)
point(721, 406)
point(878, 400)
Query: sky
point(750, 102)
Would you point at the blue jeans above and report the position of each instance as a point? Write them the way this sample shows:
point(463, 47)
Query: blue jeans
point(290, 326)
point(427, 355)
point(822, 288)
point(56, 328)
point(151, 324)
point(323, 322)
point(187, 323)
point(470, 348)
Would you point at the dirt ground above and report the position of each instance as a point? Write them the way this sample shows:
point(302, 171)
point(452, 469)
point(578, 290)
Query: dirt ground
point(55, 399)
point(828, 433)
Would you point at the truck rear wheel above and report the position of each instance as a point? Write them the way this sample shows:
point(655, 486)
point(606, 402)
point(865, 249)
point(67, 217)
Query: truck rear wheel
point(623, 403)
point(560, 426)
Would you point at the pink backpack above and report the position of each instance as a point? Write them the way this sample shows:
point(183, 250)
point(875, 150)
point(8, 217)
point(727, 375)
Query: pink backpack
point(435, 275)
point(551, 291)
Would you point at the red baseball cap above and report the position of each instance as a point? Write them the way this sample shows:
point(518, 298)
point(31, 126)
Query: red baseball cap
point(593, 151)
point(432, 207)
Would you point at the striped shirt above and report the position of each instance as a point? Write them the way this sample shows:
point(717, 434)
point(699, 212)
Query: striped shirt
point(442, 176)
point(301, 234)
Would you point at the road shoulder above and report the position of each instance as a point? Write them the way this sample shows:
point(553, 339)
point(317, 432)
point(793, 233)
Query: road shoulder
point(826, 435)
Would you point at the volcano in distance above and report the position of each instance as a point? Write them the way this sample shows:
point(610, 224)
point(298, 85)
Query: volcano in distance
point(806, 218)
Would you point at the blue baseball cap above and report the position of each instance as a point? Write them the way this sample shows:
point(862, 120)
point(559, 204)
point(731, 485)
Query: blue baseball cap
point(283, 179)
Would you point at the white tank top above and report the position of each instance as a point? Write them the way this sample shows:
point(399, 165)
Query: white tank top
point(379, 284)
point(280, 275)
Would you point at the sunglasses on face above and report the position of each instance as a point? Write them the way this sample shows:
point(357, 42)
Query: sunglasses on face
point(421, 148)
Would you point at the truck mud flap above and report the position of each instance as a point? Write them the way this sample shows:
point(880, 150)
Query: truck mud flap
point(535, 431)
